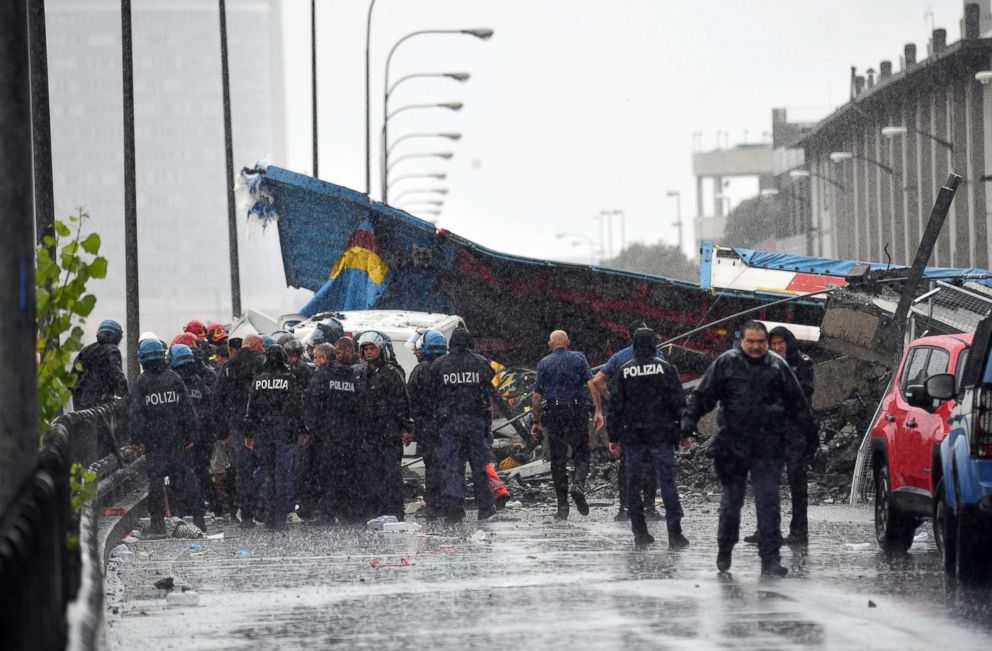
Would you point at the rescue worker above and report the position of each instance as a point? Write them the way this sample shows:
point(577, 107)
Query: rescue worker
point(645, 416)
point(217, 334)
point(601, 392)
point(333, 416)
point(562, 378)
point(99, 369)
point(761, 407)
point(196, 328)
point(181, 361)
point(231, 397)
point(801, 450)
point(161, 418)
point(461, 386)
point(387, 424)
point(100, 378)
point(431, 347)
point(273, 421)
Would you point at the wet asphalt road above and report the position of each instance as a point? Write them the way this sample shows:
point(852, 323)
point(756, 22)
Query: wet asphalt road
point(540, 584)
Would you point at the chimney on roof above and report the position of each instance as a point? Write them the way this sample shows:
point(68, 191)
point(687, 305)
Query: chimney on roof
point(859, 85)
point(884, 71)
point(972, 21)
point(909, 55)
point(871, 77)
point(939, 40)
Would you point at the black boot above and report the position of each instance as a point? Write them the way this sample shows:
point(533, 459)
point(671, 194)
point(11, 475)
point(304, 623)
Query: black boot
point(579, 488)
point(675, 538)
point(562, 513)
point(640, 528)
point(247, 519)
point(487, 512)
point(773, 568)
point(752, 539)
point(200, 523)
point(723, 558)
point(651, 514)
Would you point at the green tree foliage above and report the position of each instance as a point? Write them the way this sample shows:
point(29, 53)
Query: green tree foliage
point(65, 262)
point(656, 259)
point(82, 487)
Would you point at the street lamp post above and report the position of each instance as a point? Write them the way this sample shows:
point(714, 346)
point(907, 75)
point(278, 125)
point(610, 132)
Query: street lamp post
point(592, 246)
point(440, 176)
point(368, 109)
point(893, 131)
point(678, 212)
point(482, 33)
point(841, 156)
point(805, 174)
point(446, 155)
point(450, 136)
point(451, 106)
point(440, 191)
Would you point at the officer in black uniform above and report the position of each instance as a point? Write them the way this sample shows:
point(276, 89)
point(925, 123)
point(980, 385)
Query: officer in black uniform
point(295, 351)
point(333, 411)
point(387, 426)
point(161, 418)
point(461, 385)
point(182, 362)
point(272, 421)
point(100, 378)
point(761, 407)
point(425, 430)
point(562, 378)
point(231, 400)
point(645, 416)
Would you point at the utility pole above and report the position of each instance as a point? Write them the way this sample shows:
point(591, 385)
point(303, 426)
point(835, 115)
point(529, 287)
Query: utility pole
point(18, 427)
point(313, 80)
point(41, 125)
point(130, 199)
point(232, 219)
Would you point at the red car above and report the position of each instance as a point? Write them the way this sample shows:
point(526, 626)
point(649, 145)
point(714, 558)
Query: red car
point(905, 440)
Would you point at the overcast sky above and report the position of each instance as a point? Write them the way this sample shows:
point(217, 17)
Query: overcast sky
point(575, 106)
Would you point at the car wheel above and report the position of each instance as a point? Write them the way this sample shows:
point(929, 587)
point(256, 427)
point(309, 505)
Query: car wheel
point(893, 529)
point(945, 528)
point(972, 556)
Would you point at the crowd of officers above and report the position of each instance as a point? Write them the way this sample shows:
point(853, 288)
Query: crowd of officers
point(323, 425)
point(320, 425)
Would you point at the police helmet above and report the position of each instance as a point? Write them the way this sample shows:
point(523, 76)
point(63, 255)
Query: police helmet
point(267, 341)
point(283, 339)
point(372, 338)
point(180, 354)
point(145, 336)
point(110, 330)
point(150, 350)
point(275, 357)
point(434, 343)
point(293, 346)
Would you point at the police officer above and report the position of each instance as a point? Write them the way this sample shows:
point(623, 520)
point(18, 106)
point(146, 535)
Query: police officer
point(297, 364)
point(161, 418)
point(273, 422)
point(462, 389)
point(181, 361)
point(600, 392)
point(100, 378)
point(387, 426)
point(231, 400)
point(345, 349)
point(99, 370)
point(645, 415)
point(431, 346)
point(333, 413)
point(761, 407)
point(562, 378)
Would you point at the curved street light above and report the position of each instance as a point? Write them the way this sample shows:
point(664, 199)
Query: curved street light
point(893, 131)
point(422, 202)
point(452, 106)
point(805, 174)
point(440, 176)
point(446, 155)
point(575, 236)
point(678, 212)
point(841, 156)
point(457, 76)
point(450, 136)
point(479, 33)
point(441, 191)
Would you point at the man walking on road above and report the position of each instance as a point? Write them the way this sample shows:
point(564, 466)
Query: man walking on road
point(645, 414)
point(761, 407)
point(562, 378)
point(461, 386)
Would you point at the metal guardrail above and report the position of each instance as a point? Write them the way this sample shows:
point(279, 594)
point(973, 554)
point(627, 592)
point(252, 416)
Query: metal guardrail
point(39, 573)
